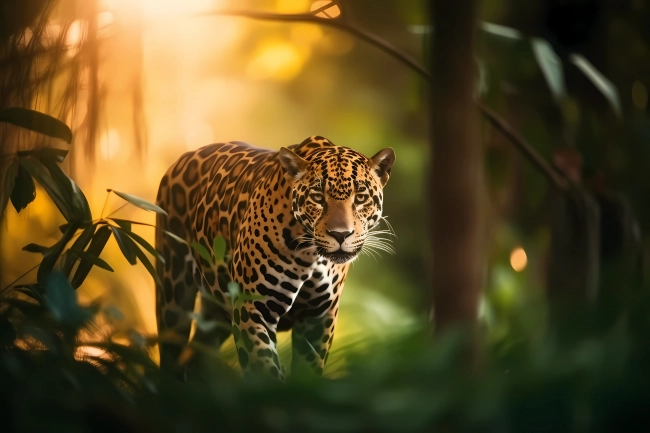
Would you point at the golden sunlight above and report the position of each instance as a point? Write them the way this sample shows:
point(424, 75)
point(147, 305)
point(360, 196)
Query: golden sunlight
point(173, 8)
point(109, 144)
point(518, 259)
point(277, 60)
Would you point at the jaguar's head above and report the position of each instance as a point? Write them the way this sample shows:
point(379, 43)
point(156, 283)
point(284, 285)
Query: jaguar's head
point(337, 197)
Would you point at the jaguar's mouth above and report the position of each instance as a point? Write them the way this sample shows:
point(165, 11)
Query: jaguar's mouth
point(339, 256)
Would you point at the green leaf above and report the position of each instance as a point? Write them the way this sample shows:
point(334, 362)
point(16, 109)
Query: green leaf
point(36, 121)
point(80, 244)
point(219, 248)
point(31, 290)
point(147, 246)
point(56, 192)
point(203, 251)
point(233, 290)
point(246, 297)
point(54, 252)
point(501, 31)
point(147, 264)
point(77, 200)
point(62, 301)
point(202, 323)
point(139, 202)
point(124, 224)
point(126, 245)
point(8, 185)
point(24, 190)
point(606, 87)
point(175, 237)
point(96, 247)
point(551, 66)
point(51, 153)
point(92, 259)
point(127, 223)
point(34, 248)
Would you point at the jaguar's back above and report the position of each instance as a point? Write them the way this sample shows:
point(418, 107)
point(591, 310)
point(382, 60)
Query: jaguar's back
point(221, 174)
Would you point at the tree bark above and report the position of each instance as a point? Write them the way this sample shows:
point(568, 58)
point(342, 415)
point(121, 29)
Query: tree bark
point(456, 168)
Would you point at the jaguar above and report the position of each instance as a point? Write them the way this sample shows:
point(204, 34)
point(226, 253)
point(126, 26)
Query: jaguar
point(293, 220)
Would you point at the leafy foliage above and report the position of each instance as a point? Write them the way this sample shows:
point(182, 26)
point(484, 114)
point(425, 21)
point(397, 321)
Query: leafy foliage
point(593, 381)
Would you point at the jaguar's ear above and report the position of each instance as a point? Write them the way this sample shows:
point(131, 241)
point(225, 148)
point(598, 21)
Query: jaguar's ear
point(381, 164)
point(294, 166)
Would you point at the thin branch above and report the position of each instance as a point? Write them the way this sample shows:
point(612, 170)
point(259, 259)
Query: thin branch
point(551, 174)
point(359, 32)
point(527, 149)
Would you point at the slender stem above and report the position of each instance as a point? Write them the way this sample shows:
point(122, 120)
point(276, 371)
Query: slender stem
point(117, 210)
point(551, 174)
point(19, 278)
point(104, 207)
point(357, 31)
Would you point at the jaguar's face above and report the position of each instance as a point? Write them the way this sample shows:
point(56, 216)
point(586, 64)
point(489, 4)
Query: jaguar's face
point(337, 197)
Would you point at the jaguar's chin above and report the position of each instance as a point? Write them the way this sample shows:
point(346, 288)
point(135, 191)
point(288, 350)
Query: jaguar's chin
point(341, 257)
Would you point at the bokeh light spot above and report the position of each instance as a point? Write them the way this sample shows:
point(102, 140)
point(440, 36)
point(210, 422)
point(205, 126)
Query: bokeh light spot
point(518, 259)
point(332, 11)
point(277, 60)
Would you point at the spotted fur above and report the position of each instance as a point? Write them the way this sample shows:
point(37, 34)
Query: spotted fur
point(293, 221)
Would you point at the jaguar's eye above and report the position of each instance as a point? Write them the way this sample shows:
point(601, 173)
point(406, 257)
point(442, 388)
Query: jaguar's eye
point(317, 197)
point(361, 198)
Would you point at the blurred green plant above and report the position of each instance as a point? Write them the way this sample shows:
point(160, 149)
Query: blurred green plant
point(87, 236)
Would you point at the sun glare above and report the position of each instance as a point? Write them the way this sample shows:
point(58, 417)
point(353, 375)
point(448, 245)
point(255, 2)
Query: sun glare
point(109, 144)
point(174, 8)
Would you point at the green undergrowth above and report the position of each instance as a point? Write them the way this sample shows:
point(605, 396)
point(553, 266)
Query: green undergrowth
point(587, 373)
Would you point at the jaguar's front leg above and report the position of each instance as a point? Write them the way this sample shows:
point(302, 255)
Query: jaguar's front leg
point(256, 341)
point(311, 340)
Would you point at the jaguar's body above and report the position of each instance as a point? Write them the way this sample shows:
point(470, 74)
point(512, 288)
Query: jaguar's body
point(293, 220)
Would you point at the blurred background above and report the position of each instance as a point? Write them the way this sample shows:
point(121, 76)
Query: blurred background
point(142, 81)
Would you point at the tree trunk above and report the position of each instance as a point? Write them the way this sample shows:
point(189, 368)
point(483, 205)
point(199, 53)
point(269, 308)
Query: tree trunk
point(456, 169)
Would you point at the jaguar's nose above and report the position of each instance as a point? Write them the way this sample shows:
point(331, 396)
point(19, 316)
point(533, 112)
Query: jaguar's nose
point(340, 236)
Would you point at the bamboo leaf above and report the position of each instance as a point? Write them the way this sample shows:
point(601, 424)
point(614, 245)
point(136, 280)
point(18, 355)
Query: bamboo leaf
point(8, 184)
point(96, 247)
point(551, 66)
point(24, 189)
point(125, 225)
point(80, 244)
point(76, 198)
point(92, 259)
point(34, 248)
point(147, 246)
point(126, 245)
point(203, 251)
point(52, 153)
point(50, 258)
point(56, 192)
point(139, 202)
point(147, 264)
point(122, 222)
point(37, 122)
point(606, 87)
point(175, 237)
